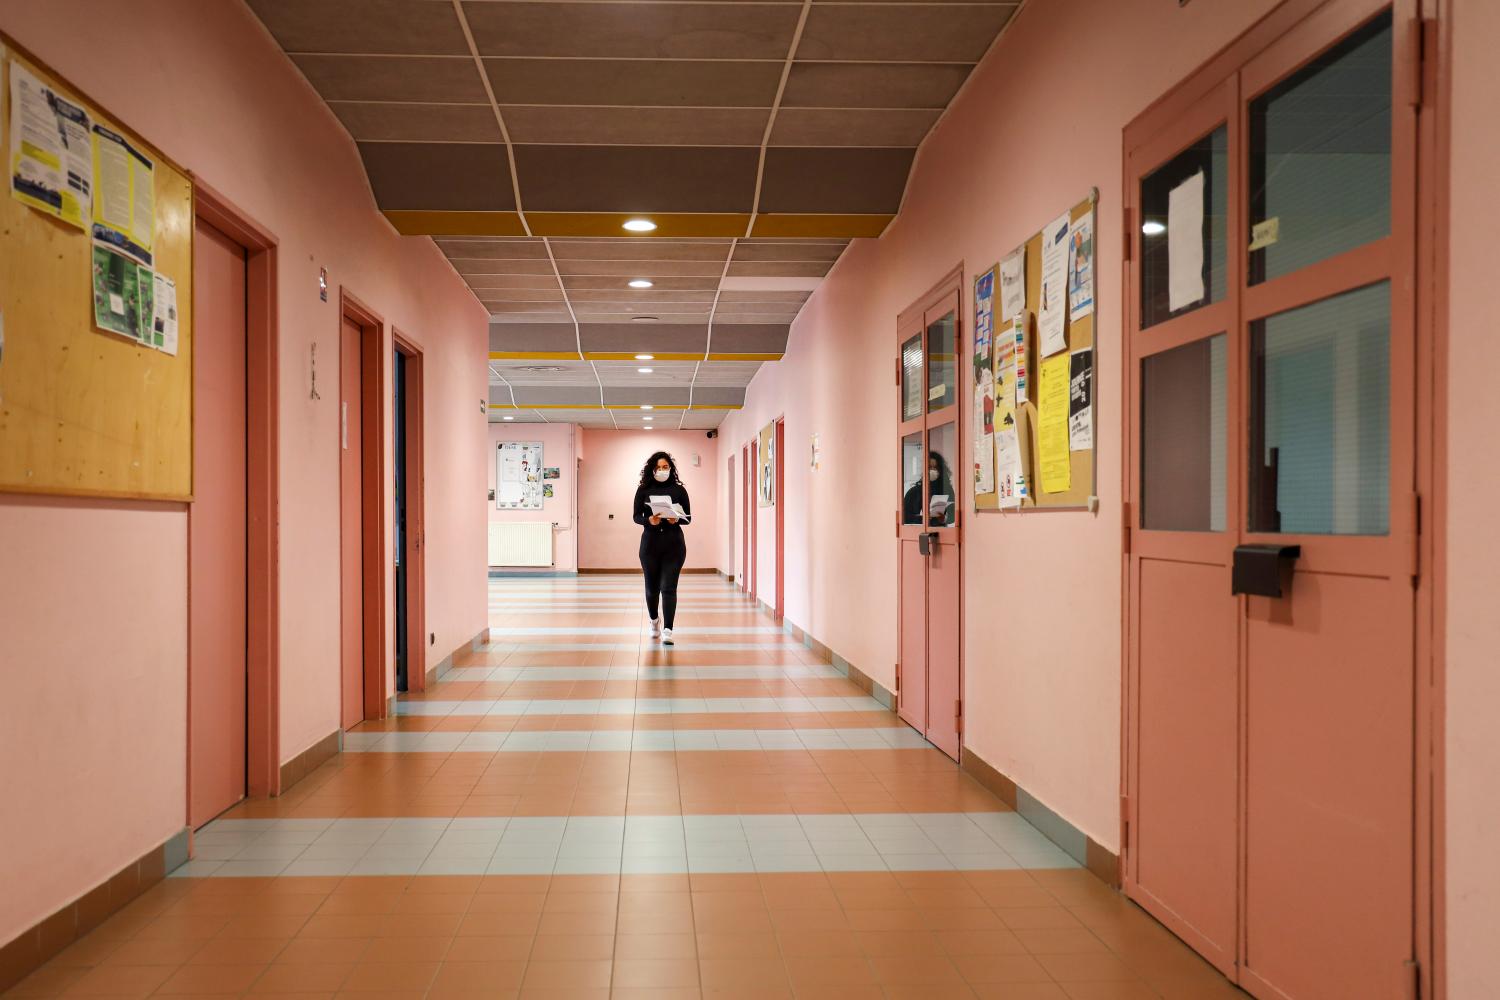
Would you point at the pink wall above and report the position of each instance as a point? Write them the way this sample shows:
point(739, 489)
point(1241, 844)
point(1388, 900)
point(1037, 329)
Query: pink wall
point(1048, 714)
point(559, 448)
point(218, 96)
point(1473, 574)
point(612, 463)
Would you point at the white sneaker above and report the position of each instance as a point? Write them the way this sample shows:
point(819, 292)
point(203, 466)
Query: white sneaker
point(655, 628)
point(666, 637)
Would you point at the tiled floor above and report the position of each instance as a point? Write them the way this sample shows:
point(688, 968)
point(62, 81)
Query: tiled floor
point(577, 812)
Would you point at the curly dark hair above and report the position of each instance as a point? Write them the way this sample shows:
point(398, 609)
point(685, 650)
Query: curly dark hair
point(649, 468)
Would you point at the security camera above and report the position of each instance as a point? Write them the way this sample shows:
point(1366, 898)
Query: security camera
point(713, 434)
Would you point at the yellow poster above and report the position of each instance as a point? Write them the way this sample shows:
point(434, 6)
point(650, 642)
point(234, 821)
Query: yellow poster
point(1052, 428)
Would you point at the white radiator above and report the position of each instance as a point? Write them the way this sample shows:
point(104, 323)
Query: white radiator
point(520, 543)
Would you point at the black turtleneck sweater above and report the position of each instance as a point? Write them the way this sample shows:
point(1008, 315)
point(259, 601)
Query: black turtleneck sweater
point(664, 530)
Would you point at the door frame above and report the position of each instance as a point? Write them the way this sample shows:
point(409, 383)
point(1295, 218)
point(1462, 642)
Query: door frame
point(1422, 80)
point(374, 574)
point(263, 489)
point(414, 556)
point(950, 287)
point(744, 578)
point(779, 611)
point(753, 564)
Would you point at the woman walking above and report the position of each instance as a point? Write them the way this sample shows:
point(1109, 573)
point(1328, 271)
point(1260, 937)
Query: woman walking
point(663, 548)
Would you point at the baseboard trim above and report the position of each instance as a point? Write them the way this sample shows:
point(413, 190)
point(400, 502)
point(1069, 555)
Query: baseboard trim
point(440, 670)
point(311, 759)
point(862, 680)
point(34, 946)
point(606, 571)
point(1074, 842)
point(497, 573)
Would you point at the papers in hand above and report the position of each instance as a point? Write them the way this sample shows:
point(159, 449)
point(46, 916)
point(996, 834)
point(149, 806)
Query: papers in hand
point(938, 505)
point(664, 507)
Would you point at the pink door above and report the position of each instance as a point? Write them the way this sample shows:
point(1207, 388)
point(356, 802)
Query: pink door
point(351, 527)
point(747, 511)
point(216, 530)
point(928, 554)
point(1270, 740)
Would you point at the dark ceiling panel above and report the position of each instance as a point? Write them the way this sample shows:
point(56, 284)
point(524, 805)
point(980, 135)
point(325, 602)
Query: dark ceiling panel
point(632, 269)
point(629, 82)
point(851, 127)
point(637, 126)
point(763, 250)
point(779, 269)
point(439, 176)
point(834, 180)
point(637, 178)
point(901, 32)
point(634, 30)
point(394, 78)
point(627, 249)
point(872, 85)
point(374, 121)
point(527, 249)
point(407, 27)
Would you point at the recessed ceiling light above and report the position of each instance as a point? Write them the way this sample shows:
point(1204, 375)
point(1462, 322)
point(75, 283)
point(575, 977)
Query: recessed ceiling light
point(648, 407)
point(643, 319)
point(648, 418)
point(640, 283)
point(507, 418)
point(645, 357)
point(1153, 228)
point(648, 427)
point(640, 225)
point(645, 371)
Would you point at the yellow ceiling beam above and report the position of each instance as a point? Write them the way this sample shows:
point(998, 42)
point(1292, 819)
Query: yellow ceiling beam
point(425, 223)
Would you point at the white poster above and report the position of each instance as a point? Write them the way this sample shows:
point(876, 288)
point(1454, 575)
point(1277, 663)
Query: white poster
point(518, 475)
point(984, 445)
point(1185, 243)
point(1052, 316)
point(1013, 284)
point(1010, 480)
point(1081, 268)
point(51, 164)
point(164, 319)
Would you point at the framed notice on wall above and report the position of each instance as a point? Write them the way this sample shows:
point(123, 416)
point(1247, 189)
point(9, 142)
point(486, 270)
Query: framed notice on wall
point(765, 478)
point(518, 475)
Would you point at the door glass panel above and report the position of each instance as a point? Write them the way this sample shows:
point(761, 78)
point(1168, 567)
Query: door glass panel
point(1320, 156)
point(911, 478)
point(942, 363)
point(912, 382)
point(942, 503)
point(1183, 424)
point(1320, 450)
point(1209, 157)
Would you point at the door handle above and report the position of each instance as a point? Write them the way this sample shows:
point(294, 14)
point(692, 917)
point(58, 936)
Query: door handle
point(1263, 570)
point(925, 542)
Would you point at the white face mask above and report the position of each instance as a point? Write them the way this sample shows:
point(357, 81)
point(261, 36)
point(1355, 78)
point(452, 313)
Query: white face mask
point(662, 475)
point(932, 475)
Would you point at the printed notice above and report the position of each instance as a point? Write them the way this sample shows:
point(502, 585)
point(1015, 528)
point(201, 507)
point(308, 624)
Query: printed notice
point(1081, 268)
point(1185, 243)
point(164, 309)
point(124, 196)
point(984, 433)
point(1052, 316)
point(1052, 427)
point(1081, 400)
point(51, 167)
point(1010, 477)
point(1023, 367)
point(117, 293)
point(1013, 284)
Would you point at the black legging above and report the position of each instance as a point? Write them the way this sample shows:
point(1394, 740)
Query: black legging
point(662, 556)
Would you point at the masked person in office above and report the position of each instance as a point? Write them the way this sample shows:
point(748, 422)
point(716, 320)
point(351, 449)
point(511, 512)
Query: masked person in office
point(662, 507)
point(943, 503)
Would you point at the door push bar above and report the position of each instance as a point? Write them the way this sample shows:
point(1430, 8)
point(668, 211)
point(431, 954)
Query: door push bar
point(1263, 570)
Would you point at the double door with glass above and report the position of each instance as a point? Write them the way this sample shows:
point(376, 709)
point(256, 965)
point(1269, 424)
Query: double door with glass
point(927, 525)
point(1271, 522)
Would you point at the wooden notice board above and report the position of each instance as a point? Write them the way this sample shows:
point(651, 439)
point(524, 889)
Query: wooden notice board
point(1080, 336)
point(84, 412)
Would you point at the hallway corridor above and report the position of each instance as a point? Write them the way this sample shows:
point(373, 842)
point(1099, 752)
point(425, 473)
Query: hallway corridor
point(576, 812)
